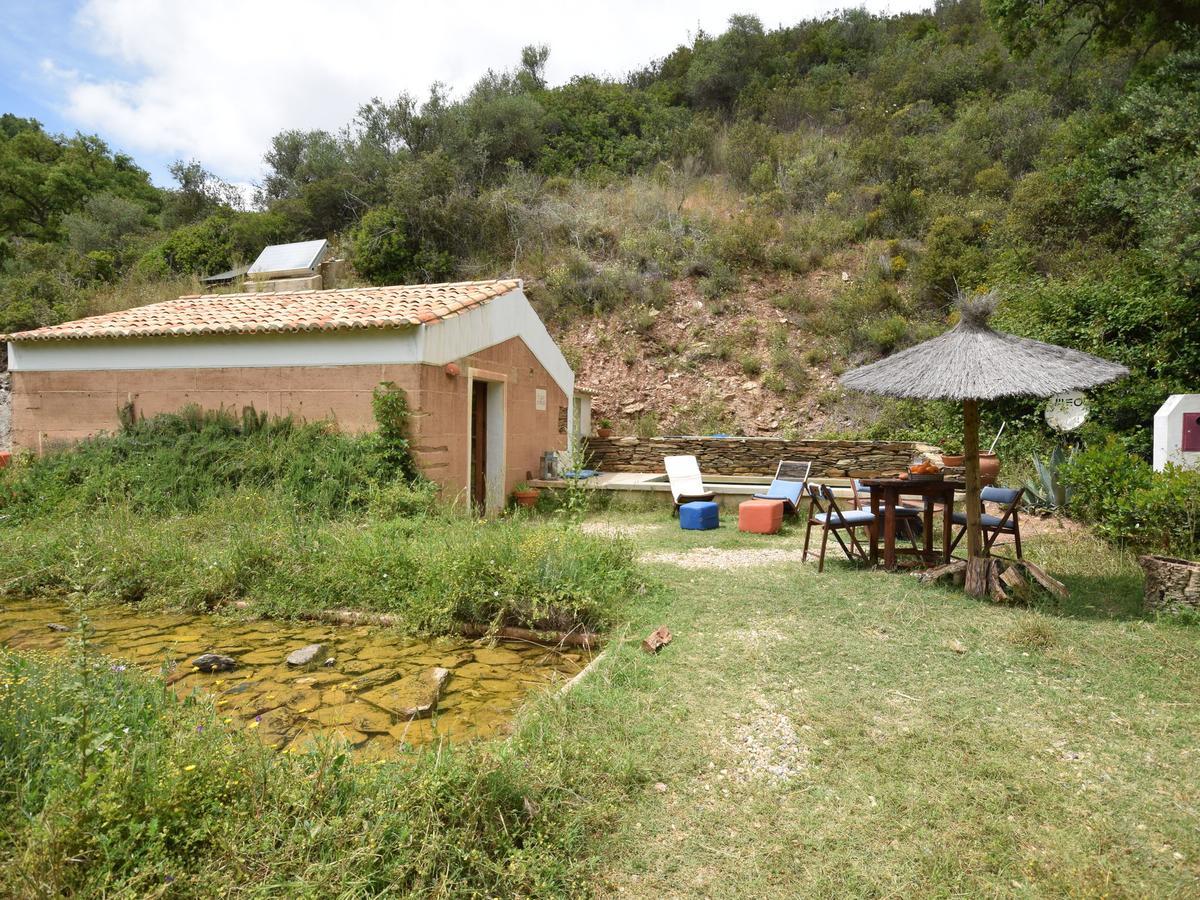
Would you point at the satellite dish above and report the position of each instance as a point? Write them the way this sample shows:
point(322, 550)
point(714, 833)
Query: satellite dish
point(1067, 411)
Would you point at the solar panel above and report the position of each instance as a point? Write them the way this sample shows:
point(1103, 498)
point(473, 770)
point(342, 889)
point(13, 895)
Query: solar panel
point(289, 259)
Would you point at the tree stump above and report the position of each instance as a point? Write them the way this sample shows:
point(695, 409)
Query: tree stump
point(997, 578)
point(1171, 584)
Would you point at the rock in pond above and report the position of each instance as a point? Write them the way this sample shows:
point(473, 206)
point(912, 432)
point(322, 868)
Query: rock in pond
point(413, 696)
point(332, 661)
point(305, 655)
point(214, 662)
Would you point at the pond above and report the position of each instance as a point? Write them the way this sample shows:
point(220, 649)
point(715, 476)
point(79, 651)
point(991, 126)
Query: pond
point(367, 685)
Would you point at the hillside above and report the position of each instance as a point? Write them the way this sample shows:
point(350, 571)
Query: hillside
point(716, 236)
point(698, 367)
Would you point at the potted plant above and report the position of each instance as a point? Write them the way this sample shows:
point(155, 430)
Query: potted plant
point(525, 495)
point(952, 453)
point(604, 428)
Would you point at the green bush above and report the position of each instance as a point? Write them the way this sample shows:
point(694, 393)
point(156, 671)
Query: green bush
point(433, 571)
point(582, 286)
point(720, 282)
point(112, 786)
point(178, 462)
point(1128, 502)
point(751, 365)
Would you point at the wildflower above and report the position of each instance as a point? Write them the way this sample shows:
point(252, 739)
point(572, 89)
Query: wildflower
point(189, 768)
point(199, 729)
point(258, 718)
point(253, 725)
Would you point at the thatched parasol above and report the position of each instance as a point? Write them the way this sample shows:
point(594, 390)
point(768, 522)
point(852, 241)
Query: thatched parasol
point(973, 362)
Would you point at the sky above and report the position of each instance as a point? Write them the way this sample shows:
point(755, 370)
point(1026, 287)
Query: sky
point(214, 80)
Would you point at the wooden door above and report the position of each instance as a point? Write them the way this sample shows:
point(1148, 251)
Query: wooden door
point(479, 404)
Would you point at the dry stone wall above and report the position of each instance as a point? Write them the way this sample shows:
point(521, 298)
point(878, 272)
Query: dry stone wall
point(754, 455)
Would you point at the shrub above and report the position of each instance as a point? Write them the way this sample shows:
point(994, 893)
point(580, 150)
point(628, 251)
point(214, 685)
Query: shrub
point(579, 285)
point(719, 282)
point(747, 146)
point(792, 371)
point(178, 462)
point(646, 425)
point(887, 334)
point(746, 240)
point(953, 260)
point(1128, 502)
point(708, 415)
point(751, 365)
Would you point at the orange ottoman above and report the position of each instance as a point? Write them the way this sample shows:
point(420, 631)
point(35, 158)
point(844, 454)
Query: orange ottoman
point(760, 516)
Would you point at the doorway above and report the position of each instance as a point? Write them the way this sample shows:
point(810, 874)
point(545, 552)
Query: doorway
point(479, 429)
point(487, 438)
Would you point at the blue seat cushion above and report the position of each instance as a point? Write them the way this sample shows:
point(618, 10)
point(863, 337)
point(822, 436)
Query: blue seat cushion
point(1003, 496)
point(986, 520)
point(849, 517)
point(699, 515)
point(783, 490)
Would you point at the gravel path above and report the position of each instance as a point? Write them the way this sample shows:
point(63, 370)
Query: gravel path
point(708, 558)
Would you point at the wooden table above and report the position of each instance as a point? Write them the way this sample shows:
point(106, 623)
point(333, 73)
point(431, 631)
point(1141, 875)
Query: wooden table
point(887, 491)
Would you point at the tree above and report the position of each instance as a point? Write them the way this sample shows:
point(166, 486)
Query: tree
point(200, 193)
point(532, 72)
point(720, 68)
point(1026, 23)
point(44, 176)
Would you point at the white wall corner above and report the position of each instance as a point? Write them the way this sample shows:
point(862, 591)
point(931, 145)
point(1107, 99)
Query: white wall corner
point(508, 316)
point(1168, 432)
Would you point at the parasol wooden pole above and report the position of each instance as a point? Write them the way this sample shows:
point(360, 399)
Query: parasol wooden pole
point(976, 586)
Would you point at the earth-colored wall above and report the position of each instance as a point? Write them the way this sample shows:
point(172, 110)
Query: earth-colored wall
point(55, 408)
point(442, 421)
point(753, 455)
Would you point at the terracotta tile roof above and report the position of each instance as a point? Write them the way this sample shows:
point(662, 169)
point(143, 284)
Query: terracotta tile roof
point(262, 313)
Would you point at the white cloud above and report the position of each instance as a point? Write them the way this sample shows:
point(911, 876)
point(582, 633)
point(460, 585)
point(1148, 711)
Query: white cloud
point(215, 80)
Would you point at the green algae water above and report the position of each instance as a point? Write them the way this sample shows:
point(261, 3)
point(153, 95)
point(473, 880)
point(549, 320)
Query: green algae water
point(364, 696)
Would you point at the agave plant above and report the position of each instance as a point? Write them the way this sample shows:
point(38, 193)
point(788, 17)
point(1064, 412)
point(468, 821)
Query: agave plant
point(1049, 492)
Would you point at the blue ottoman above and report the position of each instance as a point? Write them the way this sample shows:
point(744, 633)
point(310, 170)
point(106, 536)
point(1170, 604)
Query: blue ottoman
point(699, 515)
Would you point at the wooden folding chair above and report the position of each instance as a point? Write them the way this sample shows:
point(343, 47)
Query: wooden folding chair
point(1008, 522)
point(825, 513)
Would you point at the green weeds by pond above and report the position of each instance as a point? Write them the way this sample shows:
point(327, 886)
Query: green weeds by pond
point(199, 509)
point(432, 571)
point(111, 786)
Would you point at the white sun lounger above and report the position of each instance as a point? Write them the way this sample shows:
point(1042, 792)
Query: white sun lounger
point(683, 472)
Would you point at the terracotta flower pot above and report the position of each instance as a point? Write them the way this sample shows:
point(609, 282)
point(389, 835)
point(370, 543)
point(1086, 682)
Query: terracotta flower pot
point(952, 459)
point(603, 433)
point(989, 467)
point(5, 458)
point(526, 499)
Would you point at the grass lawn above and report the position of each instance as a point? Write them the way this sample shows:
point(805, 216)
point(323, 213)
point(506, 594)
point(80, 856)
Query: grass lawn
point(850, 733)
point(856, 733)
